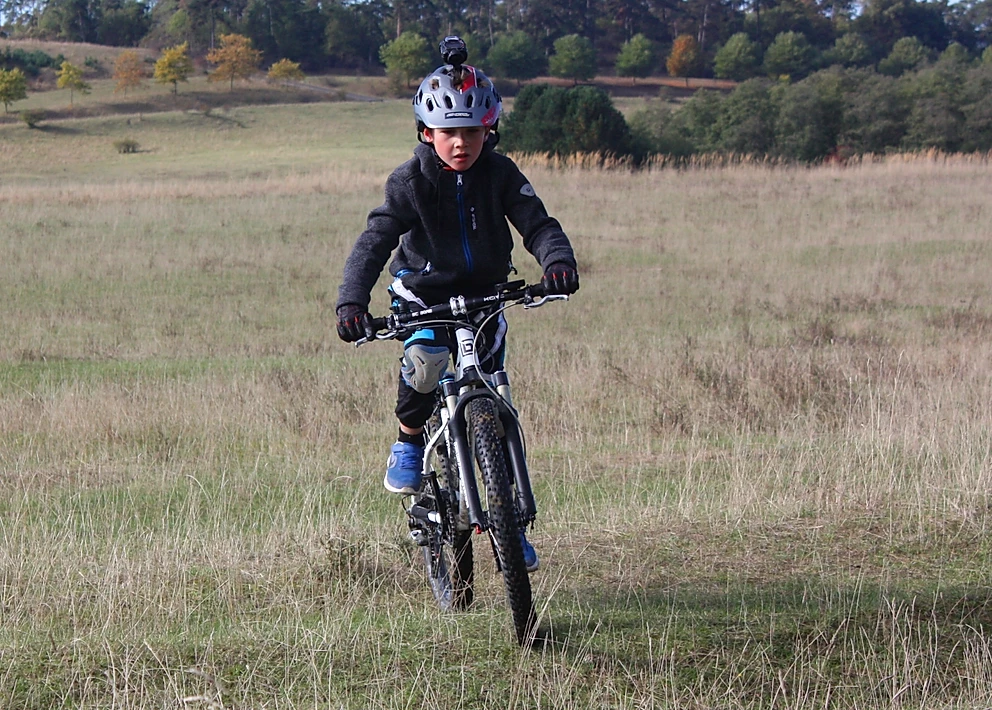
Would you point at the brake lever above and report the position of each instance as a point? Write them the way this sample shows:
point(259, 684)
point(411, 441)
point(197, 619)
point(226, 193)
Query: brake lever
point(379, 335)
point(538, 301)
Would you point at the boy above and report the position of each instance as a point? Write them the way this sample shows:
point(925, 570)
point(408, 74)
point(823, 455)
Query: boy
point(445, 215)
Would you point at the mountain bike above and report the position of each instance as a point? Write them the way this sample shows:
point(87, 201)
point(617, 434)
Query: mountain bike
point(473, 433)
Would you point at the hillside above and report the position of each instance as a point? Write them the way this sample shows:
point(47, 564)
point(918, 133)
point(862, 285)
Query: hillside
point(199, 94)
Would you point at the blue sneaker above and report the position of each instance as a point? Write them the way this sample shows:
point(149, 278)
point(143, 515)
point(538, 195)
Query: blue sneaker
point(531, 560)
point(404, 468)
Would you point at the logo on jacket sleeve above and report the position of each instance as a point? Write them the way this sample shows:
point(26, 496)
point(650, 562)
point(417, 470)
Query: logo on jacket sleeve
point(528, 190)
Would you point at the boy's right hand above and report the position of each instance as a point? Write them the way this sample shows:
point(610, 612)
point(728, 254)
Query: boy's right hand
point(353, 320)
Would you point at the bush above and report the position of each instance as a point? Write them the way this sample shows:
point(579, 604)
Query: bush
point(682, 132)
point(698, 120)
point(746, 123)
point(550, 119)
point(654, 129)
point(875, 112)
point(33, 118)
point(28, 62)
point(127, 145)
point(809, 117)
point(977, 108)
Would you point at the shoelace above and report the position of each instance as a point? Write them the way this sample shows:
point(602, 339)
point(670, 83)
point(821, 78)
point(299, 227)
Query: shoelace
point(410, 458)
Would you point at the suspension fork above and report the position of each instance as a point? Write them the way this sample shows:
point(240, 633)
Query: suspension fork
point(517, 459)
point(458, 438)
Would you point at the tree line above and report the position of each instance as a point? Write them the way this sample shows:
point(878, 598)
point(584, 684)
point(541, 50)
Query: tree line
point(633, 36)
point(233, 59)
point(838, 112)
point(834, 114)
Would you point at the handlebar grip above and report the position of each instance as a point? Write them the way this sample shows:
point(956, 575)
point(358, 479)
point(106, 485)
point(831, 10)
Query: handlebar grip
point(374, 325)
point(536, 290)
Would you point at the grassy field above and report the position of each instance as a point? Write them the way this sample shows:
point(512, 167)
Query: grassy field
point(760, 434)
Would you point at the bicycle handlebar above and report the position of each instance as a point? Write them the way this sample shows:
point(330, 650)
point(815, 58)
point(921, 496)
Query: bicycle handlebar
point(398, 322)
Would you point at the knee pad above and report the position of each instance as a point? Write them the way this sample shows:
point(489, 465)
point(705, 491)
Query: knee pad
point(423, 366)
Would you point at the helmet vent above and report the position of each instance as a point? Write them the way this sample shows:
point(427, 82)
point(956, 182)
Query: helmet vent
point(469, 100)
point(435, 84)
point(448, 102)
point(489, 102)
point(430, 104)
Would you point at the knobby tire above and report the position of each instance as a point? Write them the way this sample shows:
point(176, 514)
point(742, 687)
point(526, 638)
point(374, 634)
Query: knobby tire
point(503, 523)
point(449, 561)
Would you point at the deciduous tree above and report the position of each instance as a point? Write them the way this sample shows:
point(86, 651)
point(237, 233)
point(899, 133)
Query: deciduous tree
point(235, 59)
point(636, 57)
point(737, 59)
point(850, 50)
point(516, 56)
point(574, 58)
point(684, 58)
point(174, 66)
point(406, 57)
point(285, 70)
point(789, 55)
point(13, 87)
point(907, 54)
point(129, 71)
point(71, 77)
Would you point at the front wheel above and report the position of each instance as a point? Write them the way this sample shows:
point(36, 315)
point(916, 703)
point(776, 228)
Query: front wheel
point(503, 524)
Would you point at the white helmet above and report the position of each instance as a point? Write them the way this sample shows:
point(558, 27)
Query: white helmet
point(456, 95)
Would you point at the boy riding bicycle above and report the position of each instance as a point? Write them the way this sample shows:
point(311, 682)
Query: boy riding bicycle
point(445, 216)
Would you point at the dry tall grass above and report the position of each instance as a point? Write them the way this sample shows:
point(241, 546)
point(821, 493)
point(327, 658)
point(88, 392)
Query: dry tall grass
point(759, 435)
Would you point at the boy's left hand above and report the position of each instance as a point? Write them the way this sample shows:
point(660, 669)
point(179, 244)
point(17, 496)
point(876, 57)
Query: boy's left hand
point(560, 279)
point(353, 321)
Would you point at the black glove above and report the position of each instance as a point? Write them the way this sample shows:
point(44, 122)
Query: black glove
point(560, 279)
point(352, 322)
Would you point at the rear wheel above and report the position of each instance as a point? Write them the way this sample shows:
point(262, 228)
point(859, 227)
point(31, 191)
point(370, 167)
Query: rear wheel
point(503, 525)
point(449, 561)
point(449, 571)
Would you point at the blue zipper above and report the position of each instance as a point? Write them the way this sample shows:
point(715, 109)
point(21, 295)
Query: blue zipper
point(461, 221)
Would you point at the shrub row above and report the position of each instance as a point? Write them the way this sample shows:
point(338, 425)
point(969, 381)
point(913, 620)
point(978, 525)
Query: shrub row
point(28, 62)
point(946, 105)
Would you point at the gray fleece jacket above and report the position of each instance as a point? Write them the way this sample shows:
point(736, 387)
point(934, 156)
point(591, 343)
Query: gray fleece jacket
point(449, 230)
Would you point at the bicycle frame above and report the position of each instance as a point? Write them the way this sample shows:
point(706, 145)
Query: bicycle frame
point(468, 383)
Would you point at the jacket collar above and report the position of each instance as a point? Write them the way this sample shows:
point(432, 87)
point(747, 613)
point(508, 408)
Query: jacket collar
point(431, 165)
